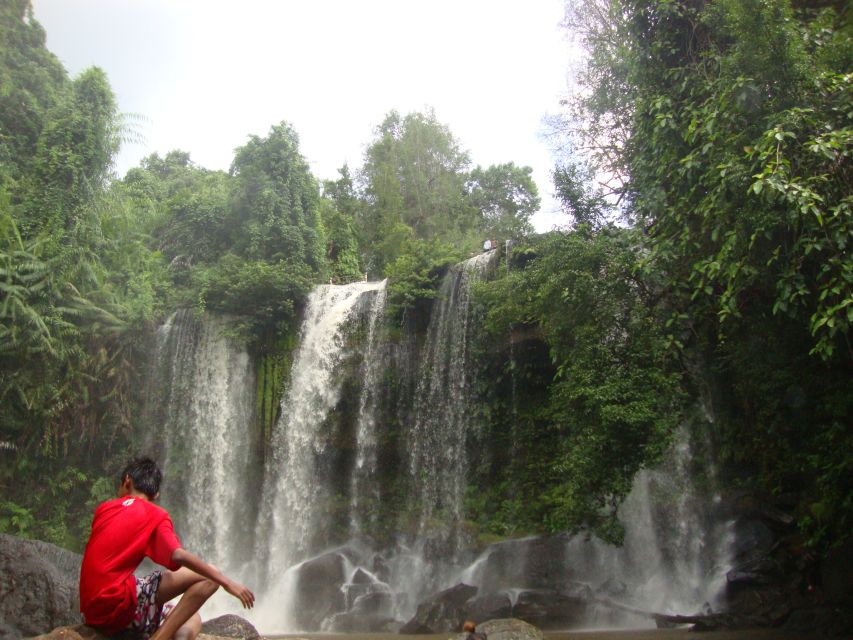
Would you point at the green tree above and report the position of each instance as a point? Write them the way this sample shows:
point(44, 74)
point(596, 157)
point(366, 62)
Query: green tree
point(186, 206)
point(604, 397)
point(77, 286)
point(339, 208)
point(32, 80)
point(73, 157)
point(506, 197)
point(413, 181)
point(275, 214)
point(731, 139)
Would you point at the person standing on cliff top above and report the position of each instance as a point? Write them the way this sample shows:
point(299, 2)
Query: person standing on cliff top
point(124, 531)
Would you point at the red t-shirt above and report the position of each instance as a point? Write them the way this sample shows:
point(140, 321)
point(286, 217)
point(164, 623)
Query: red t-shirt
point(124, 531)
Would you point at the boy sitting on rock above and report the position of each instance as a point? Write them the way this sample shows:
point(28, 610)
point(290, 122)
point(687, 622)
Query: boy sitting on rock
point(125, 530)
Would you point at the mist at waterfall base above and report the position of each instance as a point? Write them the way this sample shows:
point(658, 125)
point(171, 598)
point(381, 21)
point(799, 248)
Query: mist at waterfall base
point(319, 487)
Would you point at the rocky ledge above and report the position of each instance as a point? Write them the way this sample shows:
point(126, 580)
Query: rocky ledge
point(83, 632)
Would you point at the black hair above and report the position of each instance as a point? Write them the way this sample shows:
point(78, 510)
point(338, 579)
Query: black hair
point(145, 474)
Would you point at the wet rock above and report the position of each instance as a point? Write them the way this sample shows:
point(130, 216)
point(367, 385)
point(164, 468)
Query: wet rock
point(84, 632)
point(550, 609)
point(507, 629)
point(380, 568)
point(531, 563)
point(318, 592)
point(39, 587)
point(230, 626)
point(488, 607)
point(612, 588)
point(760, 571)
point(753, 539)
point(441, 612)
point(361, 577)
point(366, 591)
point(375, 603)
point(361, 622)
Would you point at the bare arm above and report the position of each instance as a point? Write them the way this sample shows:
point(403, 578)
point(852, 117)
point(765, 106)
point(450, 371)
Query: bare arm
point(191, 561)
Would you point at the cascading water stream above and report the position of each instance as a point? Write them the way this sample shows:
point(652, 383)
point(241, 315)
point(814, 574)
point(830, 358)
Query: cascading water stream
point(364, 490)
point(297, 489)
point(206, 412)
point(443, 408)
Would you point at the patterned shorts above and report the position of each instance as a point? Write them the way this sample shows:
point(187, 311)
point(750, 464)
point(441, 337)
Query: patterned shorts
point(149, 615)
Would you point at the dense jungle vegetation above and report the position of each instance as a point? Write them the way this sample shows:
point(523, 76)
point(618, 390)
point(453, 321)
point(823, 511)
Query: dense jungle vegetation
point(706, 180)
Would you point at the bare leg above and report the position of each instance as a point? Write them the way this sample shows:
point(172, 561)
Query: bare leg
point(183, 623)
point(174, 583)
point(190, 629)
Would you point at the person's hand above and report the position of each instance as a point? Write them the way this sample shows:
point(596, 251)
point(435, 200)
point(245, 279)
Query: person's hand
point(241, 593)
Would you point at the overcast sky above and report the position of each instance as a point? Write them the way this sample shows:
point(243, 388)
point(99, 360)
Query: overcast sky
point(204, 75)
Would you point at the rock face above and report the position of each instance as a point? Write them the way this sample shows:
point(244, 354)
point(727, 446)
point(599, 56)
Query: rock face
point(38, 588)
point(777, 582)
point(230, 626)
point(442, 612)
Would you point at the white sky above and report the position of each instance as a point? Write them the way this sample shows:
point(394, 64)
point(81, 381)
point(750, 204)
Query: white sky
point(204, 75)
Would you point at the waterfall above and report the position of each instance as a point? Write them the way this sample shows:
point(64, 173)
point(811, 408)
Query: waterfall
point(442, 416)
point(364, 491)
point(206, 413)
point(675, 553)
point(299, 478)
point(673, 558)
point(372, 437)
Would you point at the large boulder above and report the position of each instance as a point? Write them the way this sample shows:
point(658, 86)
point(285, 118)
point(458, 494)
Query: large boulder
point(752, 540)
point(551, 609)
point(359, 621)
point(78, 632)
point(39, 587)
point(441, 612)
point(83, 632)
point(530, 563)
point(318, 592)
point(489, 607)
point(507, 629)
point(230, 626)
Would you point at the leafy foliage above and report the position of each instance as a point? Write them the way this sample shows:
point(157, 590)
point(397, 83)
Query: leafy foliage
point(275, 208)
point(506, 197)
point(340, 207)
point(612, 399)
point(729, 144)
point(416, 275)
point(77, 285)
